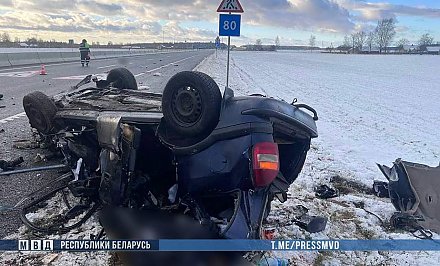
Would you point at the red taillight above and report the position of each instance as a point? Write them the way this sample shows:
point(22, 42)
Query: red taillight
point(265, 162)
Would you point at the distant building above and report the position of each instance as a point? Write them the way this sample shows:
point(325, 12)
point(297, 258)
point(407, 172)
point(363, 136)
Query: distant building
point(394, 50)
point(433, 49)
point(410, 48)
point(372, 50)
point(71, 42)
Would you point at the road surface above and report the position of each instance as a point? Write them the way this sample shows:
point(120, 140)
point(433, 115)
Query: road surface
point(152, 71)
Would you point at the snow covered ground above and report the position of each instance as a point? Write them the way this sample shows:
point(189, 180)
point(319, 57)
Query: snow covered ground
point(371, 109)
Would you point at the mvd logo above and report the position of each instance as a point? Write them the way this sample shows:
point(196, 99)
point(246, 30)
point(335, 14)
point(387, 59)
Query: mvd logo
point(35, 245)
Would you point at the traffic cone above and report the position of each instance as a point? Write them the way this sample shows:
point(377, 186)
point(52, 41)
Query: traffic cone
point(43, 70)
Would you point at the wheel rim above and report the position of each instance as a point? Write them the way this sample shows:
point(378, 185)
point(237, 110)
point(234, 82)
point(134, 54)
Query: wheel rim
point(187, 106)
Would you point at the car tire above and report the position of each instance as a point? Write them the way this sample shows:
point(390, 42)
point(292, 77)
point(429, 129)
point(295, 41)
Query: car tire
point(122, 78)
point(40, 110)
point(191, 104)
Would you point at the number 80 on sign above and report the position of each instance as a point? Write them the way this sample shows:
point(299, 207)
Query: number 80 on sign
point(229, 25)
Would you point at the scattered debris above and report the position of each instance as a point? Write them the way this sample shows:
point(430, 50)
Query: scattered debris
point(410, 223)
point(40, 158)
point(10, 165)
point(312, 224)
point(326, 192)
point(2, 106)
point(2, 130)
point(157, 74)
point(1, 96)
point(380, 189)
point(49, 258)
point(26, 144)
point(176, 65)
point(269, 233)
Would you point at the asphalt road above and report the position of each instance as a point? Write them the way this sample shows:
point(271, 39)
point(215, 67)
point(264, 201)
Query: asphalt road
point(152, 71)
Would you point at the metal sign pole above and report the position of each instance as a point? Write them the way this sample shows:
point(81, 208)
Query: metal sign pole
point(227, 68)
point(229, 25)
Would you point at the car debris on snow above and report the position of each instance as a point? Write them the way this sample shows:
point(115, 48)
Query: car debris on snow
point(10, 164)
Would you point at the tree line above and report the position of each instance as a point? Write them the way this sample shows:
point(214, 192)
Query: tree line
point(381, 37)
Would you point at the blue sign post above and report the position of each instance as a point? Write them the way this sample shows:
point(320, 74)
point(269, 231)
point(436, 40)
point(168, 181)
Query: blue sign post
point(229, 25)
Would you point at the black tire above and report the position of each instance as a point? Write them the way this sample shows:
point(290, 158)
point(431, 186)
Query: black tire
point(191, 104)
point(122, 78)
point(40, 110)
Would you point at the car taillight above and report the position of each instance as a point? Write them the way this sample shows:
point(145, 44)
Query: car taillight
point(265, 163)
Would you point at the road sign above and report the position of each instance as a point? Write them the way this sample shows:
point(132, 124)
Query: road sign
point(232, 6)
point(229, 25)
point(217, 42)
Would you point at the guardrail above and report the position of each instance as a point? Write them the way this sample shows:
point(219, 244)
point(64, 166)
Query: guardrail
point(32, 58)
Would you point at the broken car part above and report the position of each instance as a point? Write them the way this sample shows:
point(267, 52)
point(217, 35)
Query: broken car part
point(326, 192)
point(381, 189)
point(10, 165)
point(413, 190)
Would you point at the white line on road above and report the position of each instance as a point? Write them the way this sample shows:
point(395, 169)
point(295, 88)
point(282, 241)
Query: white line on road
point(106, 66)
point(167, 65)
point(22, 74)
point(11, 118)
point(80, 77)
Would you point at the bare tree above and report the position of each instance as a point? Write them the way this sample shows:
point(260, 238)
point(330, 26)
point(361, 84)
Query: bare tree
point(277, 41)
point(402, 42)
point(385, 31)
point(370, 40)
point(425, 40)
point(347, 41)
point(312, 41)
point(359, 40)
point(258, 45)
point(5, 37)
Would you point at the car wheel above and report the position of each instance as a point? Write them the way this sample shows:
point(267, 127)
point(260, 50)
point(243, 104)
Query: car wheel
point(122, 78)
point(40, 110)
point(191, 103)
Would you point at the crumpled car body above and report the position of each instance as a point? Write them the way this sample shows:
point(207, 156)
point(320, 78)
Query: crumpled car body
point(122, 153)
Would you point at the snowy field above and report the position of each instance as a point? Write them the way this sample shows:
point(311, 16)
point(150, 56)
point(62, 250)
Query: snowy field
point(371, 109)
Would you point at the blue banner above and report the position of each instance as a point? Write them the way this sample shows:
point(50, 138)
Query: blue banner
point(219, 245)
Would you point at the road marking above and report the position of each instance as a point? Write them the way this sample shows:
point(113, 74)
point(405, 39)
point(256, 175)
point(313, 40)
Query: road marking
point(167, 65)
point(23, 74)
point(11, 118)
point(106, 66)
point(81, 77)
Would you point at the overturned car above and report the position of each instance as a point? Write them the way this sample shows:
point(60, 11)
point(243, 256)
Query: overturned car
point(190, 152)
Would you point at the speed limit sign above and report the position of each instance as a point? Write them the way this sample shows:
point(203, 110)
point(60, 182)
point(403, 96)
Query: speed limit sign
point(229, 25)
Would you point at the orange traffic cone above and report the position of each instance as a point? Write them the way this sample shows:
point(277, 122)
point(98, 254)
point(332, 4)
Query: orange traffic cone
point(43, 70)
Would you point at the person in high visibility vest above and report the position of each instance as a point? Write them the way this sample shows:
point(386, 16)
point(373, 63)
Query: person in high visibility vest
point(84, 49)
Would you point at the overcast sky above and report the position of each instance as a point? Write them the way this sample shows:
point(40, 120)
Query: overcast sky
point(151, 20)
